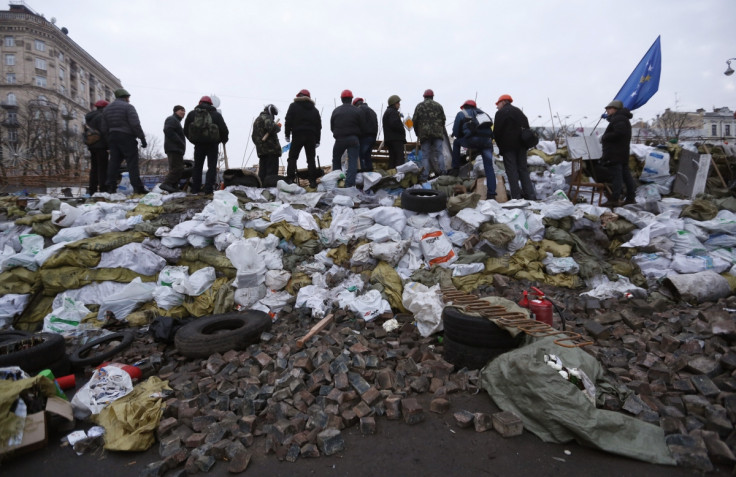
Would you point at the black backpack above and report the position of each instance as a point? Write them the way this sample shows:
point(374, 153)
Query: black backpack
point(202, 128)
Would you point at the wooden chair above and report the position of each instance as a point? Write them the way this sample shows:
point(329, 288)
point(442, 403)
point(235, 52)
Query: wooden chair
point(581, 184)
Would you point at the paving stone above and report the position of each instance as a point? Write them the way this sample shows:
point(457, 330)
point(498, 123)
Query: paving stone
point(371, 395)
point(596, 330)
point(367, 425)
point(330, 441)
point(505, 423)
point(482, 422)
point(154, 469)
point(195, 440)
point(704, 365)
point(362, 409)
point(239, 462)
point(309, 450)
point(393, 407)
point(439, 405)
point(704, 385)
point(412, 411)
point(358, 383)
point(718, 451)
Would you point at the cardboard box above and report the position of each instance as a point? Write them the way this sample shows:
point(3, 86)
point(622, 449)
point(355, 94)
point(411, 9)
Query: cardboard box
point(35, 432)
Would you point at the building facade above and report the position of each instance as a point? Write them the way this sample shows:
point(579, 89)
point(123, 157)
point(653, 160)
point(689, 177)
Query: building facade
point(47, 84)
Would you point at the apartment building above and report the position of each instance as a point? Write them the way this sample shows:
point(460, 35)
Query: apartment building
point(47, 84)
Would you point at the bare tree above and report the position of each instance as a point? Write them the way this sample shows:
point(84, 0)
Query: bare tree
point(150, 158)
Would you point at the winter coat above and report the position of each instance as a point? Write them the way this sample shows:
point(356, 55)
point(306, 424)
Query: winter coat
point(303, 117)
point(507, 128)
point(617, 137)
point(371, 121)
point(216, 118)
point(393, 126)
point(480, 138)
point(265, 126)
point(346, 120)
point(94, 120)
point(121, 117)
point(174, 140)
point(429, 120)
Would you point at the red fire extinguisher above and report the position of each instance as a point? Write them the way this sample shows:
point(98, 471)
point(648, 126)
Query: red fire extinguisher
point(541, 307)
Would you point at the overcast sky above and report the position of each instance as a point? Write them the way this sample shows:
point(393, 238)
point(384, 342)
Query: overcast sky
point(571, 57)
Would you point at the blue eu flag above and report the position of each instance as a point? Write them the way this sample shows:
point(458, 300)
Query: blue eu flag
point(644, 80)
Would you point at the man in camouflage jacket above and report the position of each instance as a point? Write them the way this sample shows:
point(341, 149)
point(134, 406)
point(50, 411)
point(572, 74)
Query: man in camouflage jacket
point(429, 124)
point(265, 137)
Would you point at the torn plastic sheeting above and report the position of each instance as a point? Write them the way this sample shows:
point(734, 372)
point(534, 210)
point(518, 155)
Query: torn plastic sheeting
point(107, 384)
point(555, 410)
point(131, 421)
point(602, 288)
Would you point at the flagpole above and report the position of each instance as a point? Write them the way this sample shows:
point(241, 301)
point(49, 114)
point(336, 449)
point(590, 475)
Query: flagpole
point(552, 118)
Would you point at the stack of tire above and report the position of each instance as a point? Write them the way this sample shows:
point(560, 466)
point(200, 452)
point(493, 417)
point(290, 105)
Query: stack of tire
point(423, 201)
point(472, 341)
point(34, 352)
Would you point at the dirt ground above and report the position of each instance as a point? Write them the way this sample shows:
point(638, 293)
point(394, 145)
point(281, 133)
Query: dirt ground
point(435, 447)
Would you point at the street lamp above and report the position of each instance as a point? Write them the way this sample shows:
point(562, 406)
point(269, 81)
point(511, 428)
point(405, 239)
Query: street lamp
point(729, 70)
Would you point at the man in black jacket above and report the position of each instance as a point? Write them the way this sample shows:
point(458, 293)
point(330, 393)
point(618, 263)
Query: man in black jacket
point(346, 125)
point(507, 128)
point(121, 126)
point(616, 144)
point(303, 120)
point(394, 134)
point(368, 136)
point(206, 143)
point(175, 145)
point(98, 149)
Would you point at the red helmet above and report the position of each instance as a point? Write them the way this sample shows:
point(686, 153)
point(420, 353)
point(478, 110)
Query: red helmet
point(504, 97)
point(469, 102)
point(428, 93)
point(304, 92)
point(346, 93)
point(357, 101)
point(101, 103)
point(205, 99)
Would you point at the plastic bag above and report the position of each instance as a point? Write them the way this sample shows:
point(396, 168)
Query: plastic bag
point(167, 298)
point(426, 305)
point(123, 303)
point(196, 283)
point(437, 248)
point(65, 318)
point(107, 384)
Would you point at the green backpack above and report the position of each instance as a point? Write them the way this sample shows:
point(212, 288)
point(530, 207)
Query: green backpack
point(202, 129)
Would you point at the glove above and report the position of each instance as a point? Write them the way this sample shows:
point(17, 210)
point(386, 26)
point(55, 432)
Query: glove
point(144, 144)
point(316, 145)
point(288, 139)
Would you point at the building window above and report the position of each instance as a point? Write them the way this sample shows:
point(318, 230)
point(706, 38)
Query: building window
point(10, 78)
point(9, 60)
point(40, 45)
point(11, 99)
point(9, 41)
point(62, 89)
point(728, 130)
point(62, 73)
point(41, 81)
point(12, 117)
point(40, 64)
point(83, 87)
point(713, 130)
point(12, 135)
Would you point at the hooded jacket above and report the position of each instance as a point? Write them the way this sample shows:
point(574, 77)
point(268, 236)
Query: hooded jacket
point(303, 117)
point(617, 137)
point(216, 118)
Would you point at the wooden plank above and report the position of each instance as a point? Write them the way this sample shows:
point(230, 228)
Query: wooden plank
point(322, 324)
point(501, 190)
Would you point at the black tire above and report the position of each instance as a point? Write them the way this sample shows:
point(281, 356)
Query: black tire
point(33, 353)
point(234, 177)
point(219, 333)
point(471, 357)
point(86, 355)
point(423, 200)
point(8, 336)
point(476, 331)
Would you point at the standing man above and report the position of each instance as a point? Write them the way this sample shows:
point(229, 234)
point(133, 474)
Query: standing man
point(429, 123)
point(616, 144)
point(175, 145)
point(265, 137)
point(121, 126)
point(97, 145)
point(302, 118)
point(472, 129)
point(206, 129)
point(507, 131)
point(394, 134)
point(346, 124)
point(368, 136)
